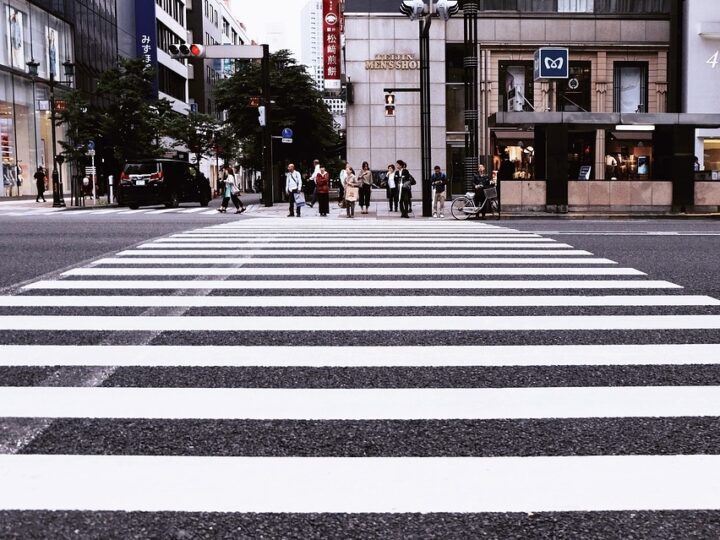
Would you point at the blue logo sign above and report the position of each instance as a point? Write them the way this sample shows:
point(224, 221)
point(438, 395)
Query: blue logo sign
point(287, 133)
point(552, 63)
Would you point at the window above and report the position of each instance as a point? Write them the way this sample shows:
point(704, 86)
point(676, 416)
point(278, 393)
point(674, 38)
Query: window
point(630, 93)
point(516, 86)
point(171, 83)
point(574, 94)
point(575, 6)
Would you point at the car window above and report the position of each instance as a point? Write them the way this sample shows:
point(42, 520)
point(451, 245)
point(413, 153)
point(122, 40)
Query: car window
point(141, 168)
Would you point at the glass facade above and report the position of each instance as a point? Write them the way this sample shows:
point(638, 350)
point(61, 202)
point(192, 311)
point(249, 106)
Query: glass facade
point(28, 33)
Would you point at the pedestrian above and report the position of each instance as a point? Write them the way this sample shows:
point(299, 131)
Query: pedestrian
point(352, 184)
point(366, 181)
point(40, 184)
point(392, 187)
point(322, 191)
point(293, 186)
point(231, 192)
point(481, 181)
point(439, 182)
point(406, 181)
point(313, 179)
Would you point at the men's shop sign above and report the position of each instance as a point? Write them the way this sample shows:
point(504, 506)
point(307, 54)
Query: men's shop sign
point(393, 61)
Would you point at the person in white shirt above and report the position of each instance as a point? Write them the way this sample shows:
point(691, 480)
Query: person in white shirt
point(392, 188)
point(293, 185)
point(232, 191)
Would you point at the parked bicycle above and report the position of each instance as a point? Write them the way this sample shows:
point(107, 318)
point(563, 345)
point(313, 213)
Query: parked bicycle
point(464, 207)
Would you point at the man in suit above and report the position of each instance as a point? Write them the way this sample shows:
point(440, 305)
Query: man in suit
point(406, 182)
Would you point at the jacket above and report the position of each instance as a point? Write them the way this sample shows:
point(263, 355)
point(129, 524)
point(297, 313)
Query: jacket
point(406, 182)
point(293, 182)
point(439, 182)
point(322, 182)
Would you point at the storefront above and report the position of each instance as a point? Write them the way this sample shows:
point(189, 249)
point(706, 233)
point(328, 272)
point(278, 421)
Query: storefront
point(28, 33)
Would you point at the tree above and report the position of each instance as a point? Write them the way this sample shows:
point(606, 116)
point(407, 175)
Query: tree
point(82, 126)
point(297, 105)
point(134, 122)
point(196, 131)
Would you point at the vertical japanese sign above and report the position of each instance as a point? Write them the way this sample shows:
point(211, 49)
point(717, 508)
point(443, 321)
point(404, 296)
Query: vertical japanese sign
point(331, 43)
point(146, 37)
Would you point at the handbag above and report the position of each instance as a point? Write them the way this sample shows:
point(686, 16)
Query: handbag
point(342, 203)
point(351, 193)
point(234, 189)
point(299, 199)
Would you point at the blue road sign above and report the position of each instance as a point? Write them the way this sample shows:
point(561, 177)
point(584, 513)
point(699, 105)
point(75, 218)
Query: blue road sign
point(91, 145)
point(552, 63)
point(287, 133)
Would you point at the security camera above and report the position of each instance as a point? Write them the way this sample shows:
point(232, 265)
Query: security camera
point(447, 8)
point(413, 8)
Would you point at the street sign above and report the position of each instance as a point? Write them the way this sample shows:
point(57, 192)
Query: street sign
point(91, 145)
point(552, 63)
point(287, 140)
point(287, 133)
point(254, 101)
point(91, 152)
point(91, 171)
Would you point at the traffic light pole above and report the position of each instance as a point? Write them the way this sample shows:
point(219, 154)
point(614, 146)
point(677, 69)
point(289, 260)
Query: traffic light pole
point(268, 176)
point(425, 135)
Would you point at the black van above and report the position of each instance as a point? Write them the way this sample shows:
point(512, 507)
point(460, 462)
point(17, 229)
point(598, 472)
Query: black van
point(162, 181)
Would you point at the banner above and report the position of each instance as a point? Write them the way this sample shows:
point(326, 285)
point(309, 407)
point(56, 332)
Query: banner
point(331, 44)
point(146, 36)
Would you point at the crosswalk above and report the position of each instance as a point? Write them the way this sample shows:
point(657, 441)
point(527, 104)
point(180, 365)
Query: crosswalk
point(350, 373)
point(121, 212)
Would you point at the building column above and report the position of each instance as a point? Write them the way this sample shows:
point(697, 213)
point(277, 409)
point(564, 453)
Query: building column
point(599, 155)
point(555, 146)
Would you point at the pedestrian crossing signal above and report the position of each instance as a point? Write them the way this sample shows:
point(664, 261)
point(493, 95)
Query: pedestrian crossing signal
point(389, 104)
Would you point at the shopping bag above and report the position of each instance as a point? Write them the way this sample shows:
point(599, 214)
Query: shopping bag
point(351, 193)
point(299, 199)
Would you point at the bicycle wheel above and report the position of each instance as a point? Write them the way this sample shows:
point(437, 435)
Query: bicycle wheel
point(494, 208)
point(457, 208)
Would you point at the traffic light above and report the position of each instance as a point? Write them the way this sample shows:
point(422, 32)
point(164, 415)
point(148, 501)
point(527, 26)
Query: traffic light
point(184, 50)
point(389, 104)
point(261, 115)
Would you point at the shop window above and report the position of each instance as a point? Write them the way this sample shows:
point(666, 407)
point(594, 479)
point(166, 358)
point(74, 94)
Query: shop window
point(632, 6)
point(574, 94)
point(575, 6)
point(630, 94)
point(516, 86)
point(581, 155)
point(628, 155)
point(711, 155)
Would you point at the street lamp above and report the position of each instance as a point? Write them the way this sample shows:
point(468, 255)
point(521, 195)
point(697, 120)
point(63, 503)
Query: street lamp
point(422, 12)
point(69, 72)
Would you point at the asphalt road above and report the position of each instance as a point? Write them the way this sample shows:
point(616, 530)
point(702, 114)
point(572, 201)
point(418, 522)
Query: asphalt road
point(686, 253)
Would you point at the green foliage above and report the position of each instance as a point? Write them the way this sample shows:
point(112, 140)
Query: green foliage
point(82, 126)
point(133, 122)
point(297, 105)
point(195, 131)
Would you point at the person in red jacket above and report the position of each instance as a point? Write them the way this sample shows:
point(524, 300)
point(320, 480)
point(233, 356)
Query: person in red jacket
point(322, 189)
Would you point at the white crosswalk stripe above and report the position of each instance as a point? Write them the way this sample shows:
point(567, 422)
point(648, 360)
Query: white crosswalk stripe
point(359, 367)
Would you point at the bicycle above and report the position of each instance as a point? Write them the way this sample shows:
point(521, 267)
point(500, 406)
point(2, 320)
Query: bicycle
point(464, 207)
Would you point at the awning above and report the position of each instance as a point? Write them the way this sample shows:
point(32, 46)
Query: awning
point(592, 120)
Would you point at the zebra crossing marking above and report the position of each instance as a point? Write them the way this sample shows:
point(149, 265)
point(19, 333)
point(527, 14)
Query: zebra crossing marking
point(359, 485)
point(358, 301)
point(351, 285)
point(361, 356)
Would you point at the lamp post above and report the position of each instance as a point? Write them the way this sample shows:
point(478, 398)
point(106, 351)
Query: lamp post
point(424, 13)
point(58, 197)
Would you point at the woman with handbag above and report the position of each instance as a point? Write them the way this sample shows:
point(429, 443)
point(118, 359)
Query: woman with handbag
point(322, 190)
point(406, 181)
point(366, 181)
point(352, 185)
point(231, 192)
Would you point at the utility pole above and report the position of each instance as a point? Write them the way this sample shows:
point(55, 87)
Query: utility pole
point(470, 63)
point(268, 175)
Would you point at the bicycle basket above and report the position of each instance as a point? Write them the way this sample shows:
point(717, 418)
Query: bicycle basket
point(491, 193)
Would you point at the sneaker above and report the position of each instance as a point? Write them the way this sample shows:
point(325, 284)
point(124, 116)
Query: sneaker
point(442, 215)
point(434, 214)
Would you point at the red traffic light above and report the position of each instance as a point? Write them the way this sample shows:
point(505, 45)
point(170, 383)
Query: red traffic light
point(197, 50)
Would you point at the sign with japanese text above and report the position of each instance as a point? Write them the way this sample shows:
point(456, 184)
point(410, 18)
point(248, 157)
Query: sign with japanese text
point(146, 37)
point(331, 43)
